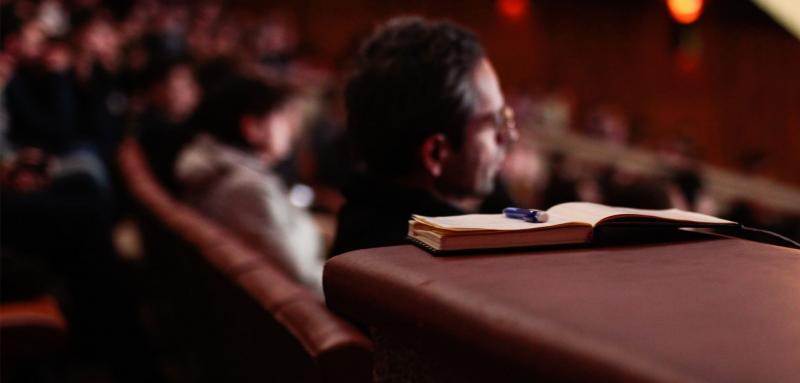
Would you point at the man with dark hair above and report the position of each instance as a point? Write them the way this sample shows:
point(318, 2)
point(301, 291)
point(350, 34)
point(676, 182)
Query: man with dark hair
point(226, 172)
point(170, 93)
point(428, 119)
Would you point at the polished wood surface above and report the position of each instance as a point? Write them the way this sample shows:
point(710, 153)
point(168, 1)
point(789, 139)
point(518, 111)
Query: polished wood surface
point(705, 310)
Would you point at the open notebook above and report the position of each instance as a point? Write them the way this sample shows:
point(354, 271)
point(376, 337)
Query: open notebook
point(572, 222)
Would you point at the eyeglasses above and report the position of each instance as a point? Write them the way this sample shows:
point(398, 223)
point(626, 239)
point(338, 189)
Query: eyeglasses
point(503, 121)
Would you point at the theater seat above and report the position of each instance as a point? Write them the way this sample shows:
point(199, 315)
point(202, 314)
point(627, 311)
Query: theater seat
point(237, 314)
point(33, 335)
point(31, 328)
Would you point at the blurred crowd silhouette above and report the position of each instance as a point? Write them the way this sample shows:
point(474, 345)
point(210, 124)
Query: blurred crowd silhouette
point(620, 170)
point(78, 76)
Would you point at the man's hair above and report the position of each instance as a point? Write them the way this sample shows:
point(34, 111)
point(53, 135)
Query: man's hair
point(222, 109)
point(412, 80)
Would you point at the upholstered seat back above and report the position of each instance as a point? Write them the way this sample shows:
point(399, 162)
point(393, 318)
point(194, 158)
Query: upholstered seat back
point(226, 309)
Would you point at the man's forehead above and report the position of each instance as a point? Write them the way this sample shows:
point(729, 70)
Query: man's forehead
point(488, 95)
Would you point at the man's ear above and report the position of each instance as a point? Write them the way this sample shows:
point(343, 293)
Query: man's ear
point(434, 151)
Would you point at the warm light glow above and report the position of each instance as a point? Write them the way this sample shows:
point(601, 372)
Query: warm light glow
point(685, 11)
point(513, 9)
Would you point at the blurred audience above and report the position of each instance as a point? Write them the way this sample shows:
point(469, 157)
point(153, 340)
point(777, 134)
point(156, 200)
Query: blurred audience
point(753, 212)
point(170, 96)
point(58, 217)
point(76, 77)
point(618, 186)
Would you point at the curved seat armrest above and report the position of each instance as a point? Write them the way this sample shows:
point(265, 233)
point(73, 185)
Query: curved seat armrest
point(32, 327)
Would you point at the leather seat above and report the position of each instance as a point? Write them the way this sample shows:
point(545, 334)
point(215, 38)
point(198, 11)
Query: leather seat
point(337, 351)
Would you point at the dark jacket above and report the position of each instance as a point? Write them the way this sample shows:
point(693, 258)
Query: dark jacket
point(377, 213)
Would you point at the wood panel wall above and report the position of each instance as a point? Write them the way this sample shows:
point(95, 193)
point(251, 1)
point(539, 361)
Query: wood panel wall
point(740, 95)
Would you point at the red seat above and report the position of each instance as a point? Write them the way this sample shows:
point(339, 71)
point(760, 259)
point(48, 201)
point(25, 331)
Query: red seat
point(32, 328)
point(336, 349)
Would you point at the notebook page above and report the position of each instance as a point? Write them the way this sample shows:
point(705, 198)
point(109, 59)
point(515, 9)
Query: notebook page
point(487, 222)
point(588, 212)
point(675, 214)
point(594, 213)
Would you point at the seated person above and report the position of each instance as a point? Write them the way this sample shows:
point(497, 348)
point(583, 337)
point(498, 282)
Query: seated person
point(171, 94)
point(430, 125)
point(246, 128)
point(57, 238)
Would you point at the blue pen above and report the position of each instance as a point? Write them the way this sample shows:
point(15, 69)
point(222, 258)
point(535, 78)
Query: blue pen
point(529, 215)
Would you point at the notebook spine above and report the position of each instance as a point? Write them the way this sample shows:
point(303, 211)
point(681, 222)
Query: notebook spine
point(424, 245)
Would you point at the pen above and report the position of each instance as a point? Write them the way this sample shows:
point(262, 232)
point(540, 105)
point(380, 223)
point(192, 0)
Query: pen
point(529, 215)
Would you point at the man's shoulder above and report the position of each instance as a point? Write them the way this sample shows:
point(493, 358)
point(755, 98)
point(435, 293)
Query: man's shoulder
point(377, 215)
point(363, 226)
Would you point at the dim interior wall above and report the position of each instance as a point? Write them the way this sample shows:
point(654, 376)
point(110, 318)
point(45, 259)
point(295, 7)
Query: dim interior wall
point(728, 82)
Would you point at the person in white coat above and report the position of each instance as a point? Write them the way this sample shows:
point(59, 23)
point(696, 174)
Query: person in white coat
point(226, 172)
